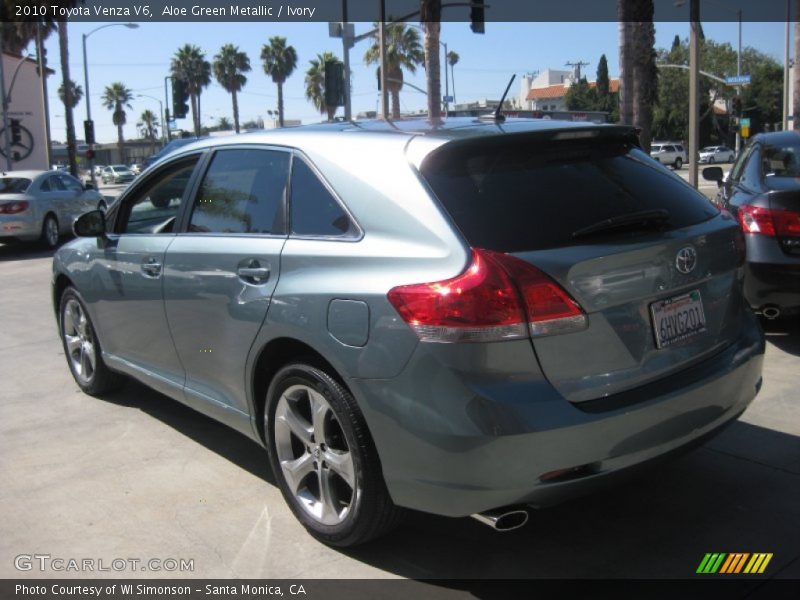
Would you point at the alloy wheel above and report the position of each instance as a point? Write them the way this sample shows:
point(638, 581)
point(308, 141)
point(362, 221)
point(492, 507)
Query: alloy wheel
point(51, 232)
point(314, 456)
point(79, 341)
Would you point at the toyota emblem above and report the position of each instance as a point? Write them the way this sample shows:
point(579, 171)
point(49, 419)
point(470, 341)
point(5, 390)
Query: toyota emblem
point(686, 260)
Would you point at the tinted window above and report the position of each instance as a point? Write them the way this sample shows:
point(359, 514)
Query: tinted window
point(242, 192)
point(513, 195)
point(679, 148)
point(669, 148)
point(655, 148)
point(71, 184)
point(54, 184)
point(314, 209)
point(153, 207)
point(14, 185)
point(782, 160)
point(736, 172)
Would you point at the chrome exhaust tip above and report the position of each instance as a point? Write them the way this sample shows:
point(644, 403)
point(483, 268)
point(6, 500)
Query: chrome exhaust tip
point(503, 519)
point(771, 312)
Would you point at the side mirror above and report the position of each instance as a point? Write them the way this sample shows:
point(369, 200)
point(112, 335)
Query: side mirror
point(90, 224)
point(88, 186)
point(713, 174)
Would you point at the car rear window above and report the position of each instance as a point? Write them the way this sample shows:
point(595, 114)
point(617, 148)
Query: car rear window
point(520, 195)
point(14, 185)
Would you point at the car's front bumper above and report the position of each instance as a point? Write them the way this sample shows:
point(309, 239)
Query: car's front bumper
point(464, 434)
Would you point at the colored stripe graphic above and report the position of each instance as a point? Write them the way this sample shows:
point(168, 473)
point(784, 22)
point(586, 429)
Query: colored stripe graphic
point(758, 563)
point(711, 562)
point(734, 563)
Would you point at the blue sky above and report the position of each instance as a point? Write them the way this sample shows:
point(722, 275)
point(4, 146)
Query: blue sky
point(140, 59)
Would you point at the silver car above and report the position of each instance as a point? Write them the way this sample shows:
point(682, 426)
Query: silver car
point(473, 319)
point(669, 153)
point(41, 205)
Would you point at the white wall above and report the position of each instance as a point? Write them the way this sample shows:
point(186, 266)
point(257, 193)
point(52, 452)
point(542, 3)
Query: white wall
point(25, 105)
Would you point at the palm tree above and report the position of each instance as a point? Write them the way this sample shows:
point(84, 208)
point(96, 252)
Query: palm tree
point(452, 60)
point(280, 61)
point(190, 66)
point(63, 44)
point(148, 128)
point(116, 97)
point(224, 124)
point(229, 66)
point(403, 51)
point(624, 13)
point(315, 83)
point(645, 72)
point(76, 93)
point(431, 16)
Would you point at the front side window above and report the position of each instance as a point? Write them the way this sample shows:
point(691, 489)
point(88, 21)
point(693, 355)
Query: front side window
point(315, 212)
point(153, 207)
point(242, 192)
point(736, 172)
point(71, 184)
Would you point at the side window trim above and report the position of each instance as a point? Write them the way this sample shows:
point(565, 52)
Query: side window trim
point(185, 216)
point(121, 206)
point(358, 231)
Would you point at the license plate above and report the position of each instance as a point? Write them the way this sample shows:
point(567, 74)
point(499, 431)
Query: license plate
point(678, 318)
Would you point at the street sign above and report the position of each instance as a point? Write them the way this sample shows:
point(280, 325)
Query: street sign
point(447, 99)
point(738, 80)
point(744, 121)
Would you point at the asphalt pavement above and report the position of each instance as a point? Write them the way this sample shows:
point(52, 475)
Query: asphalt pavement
point(137, 475)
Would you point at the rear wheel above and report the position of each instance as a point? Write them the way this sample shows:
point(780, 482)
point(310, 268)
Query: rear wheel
point(678, 163)
point(82, 348)
point(324, 459)
point(711, 160)
point(730, 158)
point(50, 233)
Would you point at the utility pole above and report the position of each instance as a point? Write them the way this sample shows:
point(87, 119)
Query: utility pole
point(786, 69)
point(45, 101)
point(739, 73)
point(576, 68)
point(6, 138)
point(166, 114)
point(694, 97)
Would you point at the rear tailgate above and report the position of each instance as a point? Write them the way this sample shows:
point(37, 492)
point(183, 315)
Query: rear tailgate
point(658, 297)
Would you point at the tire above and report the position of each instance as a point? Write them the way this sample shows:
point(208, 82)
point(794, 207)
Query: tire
point(342, 505)
point(730, 158)
point(711, 160)
point(678, 163)
point(50, 233)
point(82, 348)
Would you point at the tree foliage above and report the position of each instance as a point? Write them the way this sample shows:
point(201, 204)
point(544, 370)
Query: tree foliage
point(190, 66)
point(403, 51)
point(229, 66)
point(315, 83)
point(279, 61)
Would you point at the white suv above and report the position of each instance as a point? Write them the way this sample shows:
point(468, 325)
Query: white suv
point(668, 153)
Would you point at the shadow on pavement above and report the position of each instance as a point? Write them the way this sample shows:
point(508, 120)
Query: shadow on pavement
point(784, 333)
point(24, 251)
point(737, 493)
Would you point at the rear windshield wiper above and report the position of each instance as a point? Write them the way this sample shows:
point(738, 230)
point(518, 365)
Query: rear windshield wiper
point(643, 219)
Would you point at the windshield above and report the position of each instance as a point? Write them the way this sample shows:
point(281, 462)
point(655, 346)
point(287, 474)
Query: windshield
point(120, 168)
point(655, 148)
point(782, 161)
point(708, 149)
point(14, 185)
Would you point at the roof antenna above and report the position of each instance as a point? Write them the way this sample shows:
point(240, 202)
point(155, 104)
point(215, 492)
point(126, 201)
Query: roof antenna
point(496, 116)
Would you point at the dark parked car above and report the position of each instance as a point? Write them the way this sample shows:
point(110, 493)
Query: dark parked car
point(470, 319)
point(763, 192)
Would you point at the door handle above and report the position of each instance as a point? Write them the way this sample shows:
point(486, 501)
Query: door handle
point(152, 267)
point(254, 274)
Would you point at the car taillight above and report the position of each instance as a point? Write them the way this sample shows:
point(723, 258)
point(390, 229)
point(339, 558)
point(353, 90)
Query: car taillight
point(769, 221)
point(497, 298)
point(12, 208)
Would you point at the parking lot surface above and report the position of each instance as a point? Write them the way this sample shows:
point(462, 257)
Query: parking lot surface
point(137, 475)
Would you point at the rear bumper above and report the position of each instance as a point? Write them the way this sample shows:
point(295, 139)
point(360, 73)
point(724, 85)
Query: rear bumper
point(454, 440)
point(22, 228)
point(772, 277)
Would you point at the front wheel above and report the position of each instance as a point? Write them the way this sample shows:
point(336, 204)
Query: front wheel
point(678, 163)
point(730, 158)
point(711, 160)
point(81, 347)
point(324, 459)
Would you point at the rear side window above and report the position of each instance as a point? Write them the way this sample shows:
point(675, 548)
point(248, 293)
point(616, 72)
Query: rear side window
point(315, 211)
point(519, 195)
point(242, 192)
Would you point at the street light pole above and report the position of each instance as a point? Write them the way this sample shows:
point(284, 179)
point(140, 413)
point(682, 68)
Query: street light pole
point(786, 70)
point(86, 84)
point(348, 110)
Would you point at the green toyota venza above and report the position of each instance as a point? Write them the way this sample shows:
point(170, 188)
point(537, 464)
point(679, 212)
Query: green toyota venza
point(468, 319)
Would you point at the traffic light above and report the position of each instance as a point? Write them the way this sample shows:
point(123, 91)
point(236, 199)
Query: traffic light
point(88, 132)
point(477, 17)
point(16, 131)
point(334, 83)
point(179, 98)
point(90, 154)
point(736, 104)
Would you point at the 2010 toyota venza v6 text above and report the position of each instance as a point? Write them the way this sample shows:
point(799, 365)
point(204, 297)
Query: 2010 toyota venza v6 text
point(468, 319)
